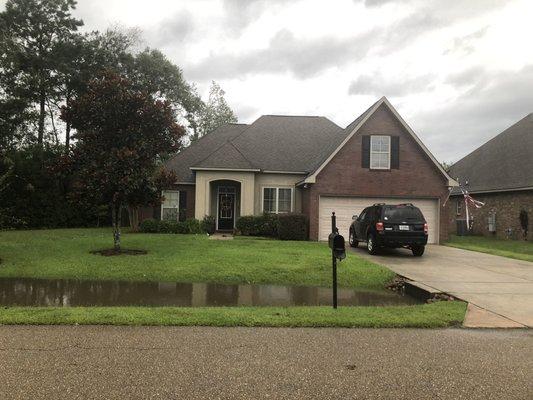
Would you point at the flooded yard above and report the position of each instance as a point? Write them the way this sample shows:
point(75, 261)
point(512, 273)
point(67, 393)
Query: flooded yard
point(70, 293)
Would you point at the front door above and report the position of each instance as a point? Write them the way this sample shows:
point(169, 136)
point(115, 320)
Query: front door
point(226, 208)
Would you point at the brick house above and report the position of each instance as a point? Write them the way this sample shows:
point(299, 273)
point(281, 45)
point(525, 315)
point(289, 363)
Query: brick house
point(500, 174)
point(308, 165)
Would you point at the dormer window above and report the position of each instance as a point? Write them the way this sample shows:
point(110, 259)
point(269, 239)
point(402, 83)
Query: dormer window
point(380, 150)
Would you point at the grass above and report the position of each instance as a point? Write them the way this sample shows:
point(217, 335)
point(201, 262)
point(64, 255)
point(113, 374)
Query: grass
point(435, 315)
point(65, 253)
point(517, 249)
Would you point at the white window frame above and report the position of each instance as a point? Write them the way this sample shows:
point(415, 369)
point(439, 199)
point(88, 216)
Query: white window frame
point(380, 152)
point(277, 188)
point(177, 206)
point(459, 206)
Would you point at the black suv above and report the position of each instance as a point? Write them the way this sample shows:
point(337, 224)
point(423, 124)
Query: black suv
point(387, 225)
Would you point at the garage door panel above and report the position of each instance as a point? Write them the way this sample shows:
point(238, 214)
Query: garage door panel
point(346, 207)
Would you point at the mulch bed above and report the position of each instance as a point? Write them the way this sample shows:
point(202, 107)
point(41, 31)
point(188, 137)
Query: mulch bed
point(113, 252)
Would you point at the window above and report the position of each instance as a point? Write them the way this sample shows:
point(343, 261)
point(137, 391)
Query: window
point(379, 152)
point(459, 208)
point(170, 206)
point(277, 200)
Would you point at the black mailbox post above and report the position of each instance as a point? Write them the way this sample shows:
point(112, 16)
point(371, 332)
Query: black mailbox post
point(338, 252)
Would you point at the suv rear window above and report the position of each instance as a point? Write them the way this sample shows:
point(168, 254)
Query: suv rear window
point(402, 213)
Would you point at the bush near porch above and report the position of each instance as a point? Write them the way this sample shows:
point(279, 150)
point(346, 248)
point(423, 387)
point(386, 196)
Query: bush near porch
point(190, 226)
point(281, 226)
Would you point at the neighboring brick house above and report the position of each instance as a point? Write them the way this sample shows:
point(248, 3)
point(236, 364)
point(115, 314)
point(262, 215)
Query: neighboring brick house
point(310, 165)
point(500, 174)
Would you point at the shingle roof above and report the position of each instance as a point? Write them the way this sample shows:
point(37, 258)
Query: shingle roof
point(271, 143)
point(199, 150)
point(287, 143)
point(503, 163)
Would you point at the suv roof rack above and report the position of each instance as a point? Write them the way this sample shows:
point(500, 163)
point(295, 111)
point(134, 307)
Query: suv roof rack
point(378, 204)
point(406, 204)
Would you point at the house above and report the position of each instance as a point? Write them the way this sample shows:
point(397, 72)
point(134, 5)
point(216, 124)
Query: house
point(308, 164)
point(500, 174)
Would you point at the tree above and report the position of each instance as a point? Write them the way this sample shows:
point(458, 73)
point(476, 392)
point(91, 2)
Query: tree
point(446, 165)
point(30, 32)
point(82, 57)
point(152, 72)
point(121, 133)
point(215, 113)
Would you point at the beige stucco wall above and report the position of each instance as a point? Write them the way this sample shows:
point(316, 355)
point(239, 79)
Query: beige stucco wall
point(252, 185)
point(263, 180)
point(203, 192)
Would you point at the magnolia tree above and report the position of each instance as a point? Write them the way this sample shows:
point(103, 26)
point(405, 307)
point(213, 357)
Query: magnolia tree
point(121, 133)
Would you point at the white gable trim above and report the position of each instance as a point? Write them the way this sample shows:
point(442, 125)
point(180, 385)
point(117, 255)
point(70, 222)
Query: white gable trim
point(312, 178)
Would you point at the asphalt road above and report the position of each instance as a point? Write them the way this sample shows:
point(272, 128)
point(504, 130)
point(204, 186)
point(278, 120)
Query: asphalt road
point(91, 362)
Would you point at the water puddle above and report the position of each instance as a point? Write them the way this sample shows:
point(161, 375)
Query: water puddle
point(70, 293)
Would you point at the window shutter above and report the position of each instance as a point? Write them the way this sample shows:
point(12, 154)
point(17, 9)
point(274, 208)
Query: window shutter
point(365, 157)
point(183, 206)
point(395, 152)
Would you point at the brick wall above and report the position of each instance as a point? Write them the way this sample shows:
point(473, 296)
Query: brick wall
point(416, 177)
point(506, 205)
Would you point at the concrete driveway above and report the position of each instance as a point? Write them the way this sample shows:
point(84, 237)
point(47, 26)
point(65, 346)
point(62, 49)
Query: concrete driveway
point(499, 289)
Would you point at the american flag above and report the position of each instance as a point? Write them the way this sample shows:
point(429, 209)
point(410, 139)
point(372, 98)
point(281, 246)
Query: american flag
point(469, 200)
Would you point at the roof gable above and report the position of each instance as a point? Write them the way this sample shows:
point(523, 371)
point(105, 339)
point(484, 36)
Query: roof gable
point(354, 127)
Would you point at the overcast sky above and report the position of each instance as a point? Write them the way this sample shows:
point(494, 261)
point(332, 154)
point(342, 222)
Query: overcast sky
point(459, 71)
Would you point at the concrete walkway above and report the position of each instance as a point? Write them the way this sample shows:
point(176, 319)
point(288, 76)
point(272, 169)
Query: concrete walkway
point(104, 362)
point(499, 289)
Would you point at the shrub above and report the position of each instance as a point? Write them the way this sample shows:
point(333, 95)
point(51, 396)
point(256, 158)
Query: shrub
point(292, 227)
point(282, 226)
point(257, 225)
point(171, 226)
point(209, 224)
point(193, 226)
point(149, 226)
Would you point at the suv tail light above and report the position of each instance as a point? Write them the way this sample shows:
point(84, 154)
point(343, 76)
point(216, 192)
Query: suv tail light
point(425, 229)
point(379, 226)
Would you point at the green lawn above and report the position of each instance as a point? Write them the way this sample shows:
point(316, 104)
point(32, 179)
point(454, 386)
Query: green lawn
point(518, 249)
point(65, 253)
point(433, 315)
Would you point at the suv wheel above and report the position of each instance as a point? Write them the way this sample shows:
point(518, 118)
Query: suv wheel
point(371, 244)
point(418, 250)
point(352, 240)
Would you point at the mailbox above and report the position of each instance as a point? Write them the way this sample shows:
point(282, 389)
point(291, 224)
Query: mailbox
point(336, 244)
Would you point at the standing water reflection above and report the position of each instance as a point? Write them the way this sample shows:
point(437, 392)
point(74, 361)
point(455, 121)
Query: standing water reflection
point(69, 293)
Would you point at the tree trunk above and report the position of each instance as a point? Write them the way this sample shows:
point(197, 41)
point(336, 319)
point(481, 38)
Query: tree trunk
point(67, 129)
point(42, 111)
point(116, 219)
point(133, 212)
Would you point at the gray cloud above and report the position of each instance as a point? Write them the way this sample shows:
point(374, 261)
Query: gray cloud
point(305, 58)
point(377, 84)
point(285, 53)
point(175, 28)
point(473, 77)
point(464, 124)
point(241, 13)
point(466, 44)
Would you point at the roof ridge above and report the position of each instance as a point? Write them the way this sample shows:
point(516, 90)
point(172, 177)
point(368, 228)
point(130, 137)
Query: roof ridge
point(207, 134)
point(241, 153)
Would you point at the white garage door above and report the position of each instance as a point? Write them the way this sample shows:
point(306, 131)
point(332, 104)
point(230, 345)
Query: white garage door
point(345, 207)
